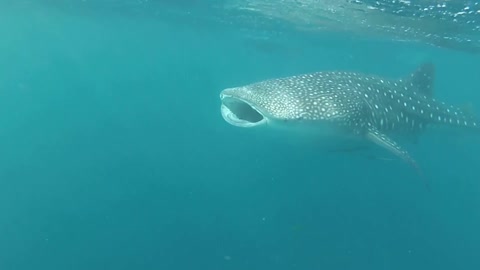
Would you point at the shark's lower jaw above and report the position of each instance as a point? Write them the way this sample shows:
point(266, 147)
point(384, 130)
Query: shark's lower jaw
point(240, 113)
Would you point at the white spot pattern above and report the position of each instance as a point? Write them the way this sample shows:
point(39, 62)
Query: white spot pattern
point(352, 100)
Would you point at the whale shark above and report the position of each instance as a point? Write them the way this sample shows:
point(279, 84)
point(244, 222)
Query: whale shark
point(366, 107)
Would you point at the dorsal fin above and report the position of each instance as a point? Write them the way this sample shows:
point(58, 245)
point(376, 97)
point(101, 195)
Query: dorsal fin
point(422, 79)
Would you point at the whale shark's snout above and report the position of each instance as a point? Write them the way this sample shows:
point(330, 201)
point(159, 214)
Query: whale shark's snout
point(240, 112)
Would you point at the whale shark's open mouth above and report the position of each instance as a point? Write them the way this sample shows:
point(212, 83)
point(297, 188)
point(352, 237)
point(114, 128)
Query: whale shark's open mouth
point(240, 113)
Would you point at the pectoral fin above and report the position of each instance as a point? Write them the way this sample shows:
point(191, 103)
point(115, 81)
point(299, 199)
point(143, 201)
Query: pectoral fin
point(389, 144)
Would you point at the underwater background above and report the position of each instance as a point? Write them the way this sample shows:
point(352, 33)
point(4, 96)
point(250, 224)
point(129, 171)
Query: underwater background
point(114, 154)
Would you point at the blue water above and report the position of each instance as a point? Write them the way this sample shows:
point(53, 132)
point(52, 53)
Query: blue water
point(114, 154)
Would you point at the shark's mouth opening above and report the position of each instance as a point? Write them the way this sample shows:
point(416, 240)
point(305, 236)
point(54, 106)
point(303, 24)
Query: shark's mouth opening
point(240, 113)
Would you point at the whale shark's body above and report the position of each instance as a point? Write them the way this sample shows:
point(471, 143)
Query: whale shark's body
point(364, 106)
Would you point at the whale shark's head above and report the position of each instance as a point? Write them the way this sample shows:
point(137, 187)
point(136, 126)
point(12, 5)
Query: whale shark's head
point(284, 101)
point(259, 104)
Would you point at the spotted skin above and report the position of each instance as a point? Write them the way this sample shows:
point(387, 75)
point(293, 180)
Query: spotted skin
point(365, 105)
